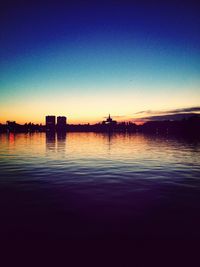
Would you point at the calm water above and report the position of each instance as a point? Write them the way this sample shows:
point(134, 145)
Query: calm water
point(90, 186)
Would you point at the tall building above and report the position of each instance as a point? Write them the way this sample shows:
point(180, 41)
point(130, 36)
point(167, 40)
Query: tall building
point(61, 123)
point(50, 123)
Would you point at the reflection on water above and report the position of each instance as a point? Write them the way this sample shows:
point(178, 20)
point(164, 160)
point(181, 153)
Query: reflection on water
point(129, 184)
point(99, 158)
point(51, 140)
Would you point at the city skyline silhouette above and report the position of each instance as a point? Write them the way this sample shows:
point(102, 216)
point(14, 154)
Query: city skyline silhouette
point(184, 125)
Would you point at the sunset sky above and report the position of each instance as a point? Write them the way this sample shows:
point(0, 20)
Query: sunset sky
point(90, 58)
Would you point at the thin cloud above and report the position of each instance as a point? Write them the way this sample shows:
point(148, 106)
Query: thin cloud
point(143, 111)
point(179, 116)
point(172, 111)
point(181, 110)
point(173, 114)
point(116, 116)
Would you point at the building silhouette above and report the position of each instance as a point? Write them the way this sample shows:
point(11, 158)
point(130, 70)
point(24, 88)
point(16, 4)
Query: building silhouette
point(61, 123)
point(50, 123)
point(109, 121)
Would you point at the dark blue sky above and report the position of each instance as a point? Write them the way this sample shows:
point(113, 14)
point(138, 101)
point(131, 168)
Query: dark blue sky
point(92, 57)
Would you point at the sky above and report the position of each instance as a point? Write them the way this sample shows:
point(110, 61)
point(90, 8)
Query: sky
point(86, 59)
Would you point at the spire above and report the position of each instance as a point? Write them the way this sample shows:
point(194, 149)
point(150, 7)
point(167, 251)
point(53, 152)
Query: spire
point(109, 119)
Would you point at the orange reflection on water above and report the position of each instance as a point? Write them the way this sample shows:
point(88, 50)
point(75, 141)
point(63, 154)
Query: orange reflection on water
point(11, 138)
point(96, 147)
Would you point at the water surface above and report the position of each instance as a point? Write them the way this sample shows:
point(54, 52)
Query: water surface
point(99, 186)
